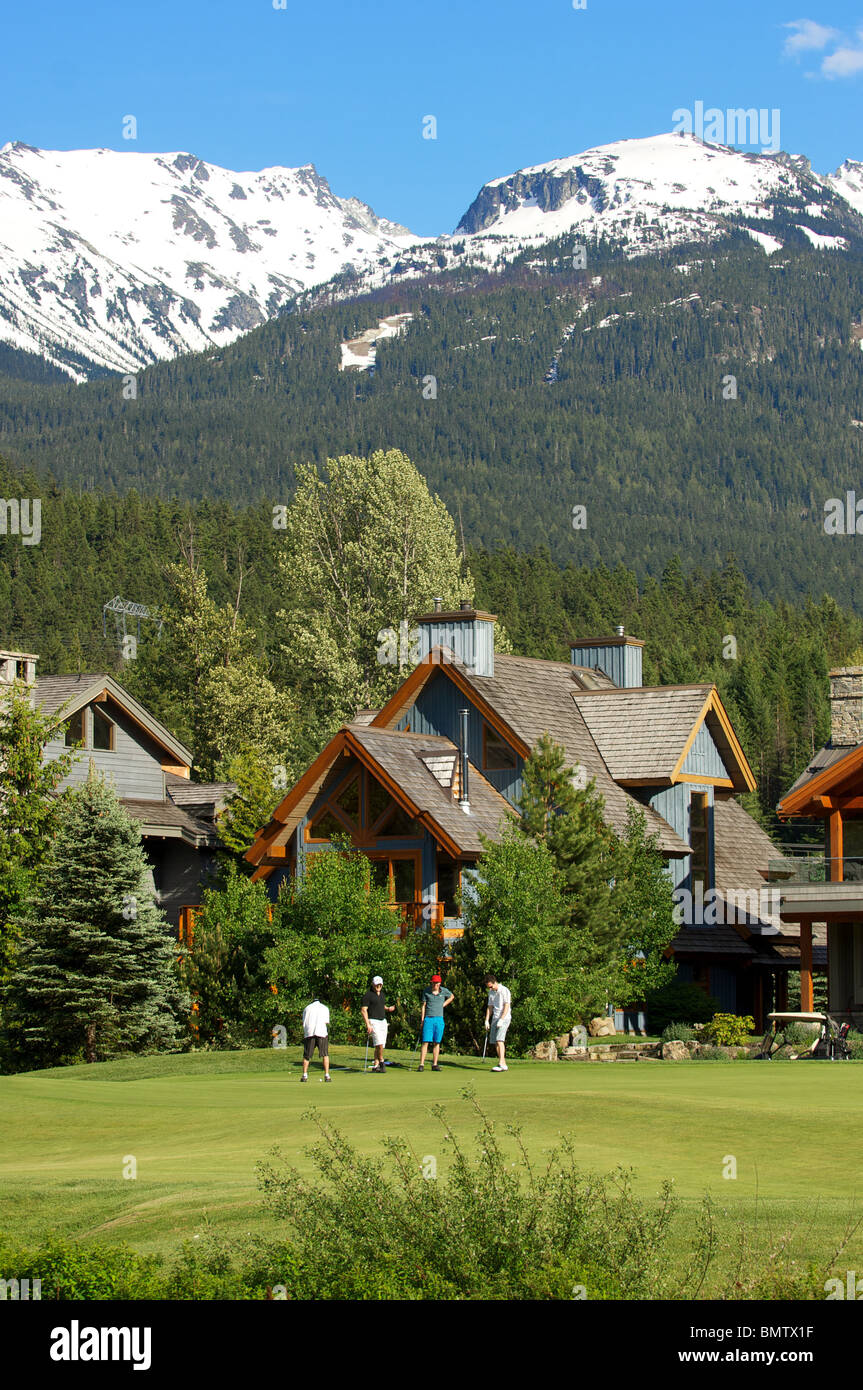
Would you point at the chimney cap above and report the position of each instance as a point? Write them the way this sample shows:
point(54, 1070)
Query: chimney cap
point(457, 614)
point(620, 630)
point(438, 605)
point(616, 641)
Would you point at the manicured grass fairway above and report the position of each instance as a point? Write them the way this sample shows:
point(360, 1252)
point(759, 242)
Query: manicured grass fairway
point(197, 1125)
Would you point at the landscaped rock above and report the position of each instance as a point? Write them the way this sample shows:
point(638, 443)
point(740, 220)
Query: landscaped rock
point(601, 1028)
point(598, 1053)
point(576, 1054)
point(545, 1051)
point(578, 1035)
point(674, 1051)
point(562, 1043)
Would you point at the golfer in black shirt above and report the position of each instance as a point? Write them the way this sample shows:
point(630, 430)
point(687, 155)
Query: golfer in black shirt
point(375, 1009)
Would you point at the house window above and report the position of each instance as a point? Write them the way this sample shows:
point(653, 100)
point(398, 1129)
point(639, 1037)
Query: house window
point(325, 826)
point(377, 801)
point(497, 756)
point(103, 732)
point(397, 875)
point(75, 729)
point(448, 885)
point(349, 801)
point(699, 838)
point(21, 670)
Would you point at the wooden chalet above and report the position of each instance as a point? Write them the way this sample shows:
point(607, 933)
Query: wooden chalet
point(149, 769)
point(824, 890)
point(415, 784)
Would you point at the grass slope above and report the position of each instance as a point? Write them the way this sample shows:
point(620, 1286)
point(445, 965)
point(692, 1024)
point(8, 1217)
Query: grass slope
point(197, 1124)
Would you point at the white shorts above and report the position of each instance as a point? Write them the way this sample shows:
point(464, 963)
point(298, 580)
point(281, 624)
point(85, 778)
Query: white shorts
point(499, 1029)
point(379, 1027)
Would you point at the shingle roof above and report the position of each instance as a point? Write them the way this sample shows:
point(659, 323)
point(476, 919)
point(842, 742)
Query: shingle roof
point(400, 756)
point(720, 940)
point(825, 757)
point(164, 818)
point(54, 691)
point(741, 847)
point(642, 733)
point(535, 697)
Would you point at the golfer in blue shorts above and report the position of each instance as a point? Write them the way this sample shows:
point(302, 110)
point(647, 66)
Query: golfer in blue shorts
point(435, 1000)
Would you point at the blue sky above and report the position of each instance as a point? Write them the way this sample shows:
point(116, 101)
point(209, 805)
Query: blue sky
point(346, 85)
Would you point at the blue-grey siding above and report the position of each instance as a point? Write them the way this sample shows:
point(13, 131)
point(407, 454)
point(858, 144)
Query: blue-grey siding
point(704, 758)
point(436, 712)
point(472, 640)
point(133, 767)
point(622, 663)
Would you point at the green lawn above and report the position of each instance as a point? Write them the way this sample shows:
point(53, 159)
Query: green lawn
point(197, 1124)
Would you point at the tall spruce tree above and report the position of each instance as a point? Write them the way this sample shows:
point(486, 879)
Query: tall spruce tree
point(28, 806)
point(95, 974)
point(569, 820)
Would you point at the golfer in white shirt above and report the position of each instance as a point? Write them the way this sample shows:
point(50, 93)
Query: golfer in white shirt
point(498, 1013)
point(316, 1020)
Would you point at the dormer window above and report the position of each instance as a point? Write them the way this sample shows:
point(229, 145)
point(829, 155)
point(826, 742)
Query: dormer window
point(497, 756)
point(75, 729)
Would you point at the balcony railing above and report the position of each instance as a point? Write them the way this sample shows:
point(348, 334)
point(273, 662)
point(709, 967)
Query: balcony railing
point(815, 868)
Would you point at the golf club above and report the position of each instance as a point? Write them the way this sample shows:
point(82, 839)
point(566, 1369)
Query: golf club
point(366, 1061)
point(485, 1044)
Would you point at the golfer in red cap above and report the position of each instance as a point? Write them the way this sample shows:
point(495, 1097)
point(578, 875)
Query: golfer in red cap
point(435, 999)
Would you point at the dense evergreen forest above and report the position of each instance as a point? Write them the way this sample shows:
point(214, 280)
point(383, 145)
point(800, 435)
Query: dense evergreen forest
point(607, 388)
point(94, 546)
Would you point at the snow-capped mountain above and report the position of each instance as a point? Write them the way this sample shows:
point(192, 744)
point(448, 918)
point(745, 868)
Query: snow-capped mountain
point(122, 259)
point(119, 259)
point(658, 192)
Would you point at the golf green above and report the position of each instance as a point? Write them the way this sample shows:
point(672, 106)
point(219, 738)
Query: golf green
point(191, 1129)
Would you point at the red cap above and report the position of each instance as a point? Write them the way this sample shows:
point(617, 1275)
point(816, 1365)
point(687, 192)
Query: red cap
point(436, 980)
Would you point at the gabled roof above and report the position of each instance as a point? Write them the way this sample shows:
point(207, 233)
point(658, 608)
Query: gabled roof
point(645, 734)
point(397, 761)
point(835, 770)
point(524, 699)
point(74, 692)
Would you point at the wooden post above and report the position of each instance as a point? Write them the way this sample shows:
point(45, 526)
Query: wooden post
point(837, 868)
point(758, 1003)
point(807, 996)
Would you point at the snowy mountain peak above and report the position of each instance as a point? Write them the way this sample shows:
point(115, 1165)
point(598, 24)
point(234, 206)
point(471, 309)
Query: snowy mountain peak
point(120, 259)
point(651, 192)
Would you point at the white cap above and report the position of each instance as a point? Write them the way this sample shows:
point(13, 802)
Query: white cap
point(377, 980)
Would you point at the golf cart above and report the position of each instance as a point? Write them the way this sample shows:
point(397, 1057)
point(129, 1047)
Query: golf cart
point(830, 1041)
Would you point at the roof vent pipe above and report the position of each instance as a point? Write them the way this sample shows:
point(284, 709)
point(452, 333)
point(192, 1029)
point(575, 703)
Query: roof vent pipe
point(438, 605)
point(620, 630)
point(464, 797)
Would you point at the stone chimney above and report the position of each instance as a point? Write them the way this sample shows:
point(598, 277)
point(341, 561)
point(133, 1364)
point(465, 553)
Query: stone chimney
point(17, 667)
point(846, 705)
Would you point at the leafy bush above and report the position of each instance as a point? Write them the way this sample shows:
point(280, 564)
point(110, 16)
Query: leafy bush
point(679, 1000)
point(678, 1032)
point(490, 1228)
point(800, 1035)
point(731, 1030)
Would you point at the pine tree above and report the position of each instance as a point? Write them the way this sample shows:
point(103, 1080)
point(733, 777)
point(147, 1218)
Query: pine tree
point(569, 820)
point(95, 974)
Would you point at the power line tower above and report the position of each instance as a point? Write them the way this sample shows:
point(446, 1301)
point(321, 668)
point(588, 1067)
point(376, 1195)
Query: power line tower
point(122, 609)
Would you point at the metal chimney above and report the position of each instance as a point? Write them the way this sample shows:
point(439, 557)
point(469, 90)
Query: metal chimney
point(464, 792)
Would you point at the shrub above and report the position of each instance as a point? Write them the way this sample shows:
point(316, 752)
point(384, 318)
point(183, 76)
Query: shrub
point(489, 1228)
point(729, 1029)
point(676, 1001)
point(678, 1032)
